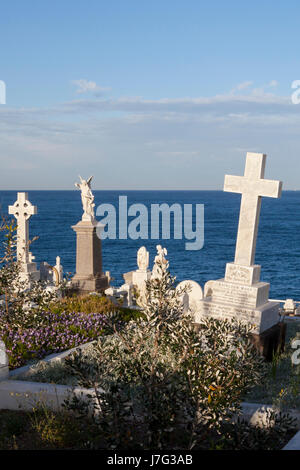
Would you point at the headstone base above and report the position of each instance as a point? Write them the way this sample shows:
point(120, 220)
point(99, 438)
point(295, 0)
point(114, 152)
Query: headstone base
point(262, 318)
point(271, 341)
point(29, 273)
point(85, 284)
point(248, 303)
point(139, 278)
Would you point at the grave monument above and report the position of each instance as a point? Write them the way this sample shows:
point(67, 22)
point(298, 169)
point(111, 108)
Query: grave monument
point(89, 276)
point(241, 294)
point(22, 209)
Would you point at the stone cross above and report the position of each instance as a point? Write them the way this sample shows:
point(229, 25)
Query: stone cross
point(252, 186)
point(22, 210)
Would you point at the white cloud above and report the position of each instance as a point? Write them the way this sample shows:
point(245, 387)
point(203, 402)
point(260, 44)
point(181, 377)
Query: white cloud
point(192, 140)
point(242, 86)
point(86, 86)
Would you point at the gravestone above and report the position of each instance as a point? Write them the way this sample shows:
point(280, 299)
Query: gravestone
point(241, 294)
point(192, 297)
point(4, 372)
point(52, 274)
point(22, 209)
point(59, 269)
point(142, 274)
point(89, 276)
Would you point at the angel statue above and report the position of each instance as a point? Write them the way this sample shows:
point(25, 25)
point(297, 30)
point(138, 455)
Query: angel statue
point(87, 198)
point(160, 262)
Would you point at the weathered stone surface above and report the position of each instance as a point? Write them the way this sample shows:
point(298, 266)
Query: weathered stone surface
point(139, 278)
point(242, 274)
point(238, 294)
point(191, 298)
point(128, 277)
point(261, 318)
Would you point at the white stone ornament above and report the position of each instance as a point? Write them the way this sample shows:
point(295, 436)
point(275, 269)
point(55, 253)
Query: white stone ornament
point(289, 306)
point(141, 275)
point(22, 209)
point(252, 186)
point(160, 262)
point(87, 199)
point(143, 259)
point(59, 269)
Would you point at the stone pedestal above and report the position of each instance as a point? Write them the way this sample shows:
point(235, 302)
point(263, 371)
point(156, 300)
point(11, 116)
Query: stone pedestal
point(89, 276)
point(240, 295)
point(139, 278)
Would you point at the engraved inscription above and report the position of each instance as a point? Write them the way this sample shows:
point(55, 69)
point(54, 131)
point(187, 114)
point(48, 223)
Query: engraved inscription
point(238, 273)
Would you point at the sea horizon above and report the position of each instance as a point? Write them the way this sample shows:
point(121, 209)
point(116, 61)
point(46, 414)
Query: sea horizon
point(278, 244)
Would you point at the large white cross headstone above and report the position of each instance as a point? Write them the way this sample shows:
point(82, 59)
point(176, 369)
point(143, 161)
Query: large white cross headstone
point(22, 210)
point(252, 186)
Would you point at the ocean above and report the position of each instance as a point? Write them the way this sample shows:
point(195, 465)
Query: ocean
point(277, 250)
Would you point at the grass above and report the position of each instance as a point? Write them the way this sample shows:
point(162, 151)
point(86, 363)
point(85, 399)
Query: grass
point(42, 429)
point(53, 372)
point(95, 303)
point(281, 386)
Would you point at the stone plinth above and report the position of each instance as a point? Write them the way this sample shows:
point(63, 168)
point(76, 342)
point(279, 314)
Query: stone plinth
point(240, 295)
point(29, 272)
point(139, 278)
point(89, 276)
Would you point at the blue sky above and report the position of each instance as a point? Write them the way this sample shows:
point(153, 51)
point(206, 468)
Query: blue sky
point(161, 94)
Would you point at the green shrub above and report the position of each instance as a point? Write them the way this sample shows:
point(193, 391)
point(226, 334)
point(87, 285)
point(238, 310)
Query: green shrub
point(161, 383)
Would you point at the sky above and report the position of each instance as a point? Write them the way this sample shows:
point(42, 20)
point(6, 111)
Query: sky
point(164, 94)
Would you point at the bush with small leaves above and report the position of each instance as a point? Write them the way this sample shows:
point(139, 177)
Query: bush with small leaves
point(162, 382)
